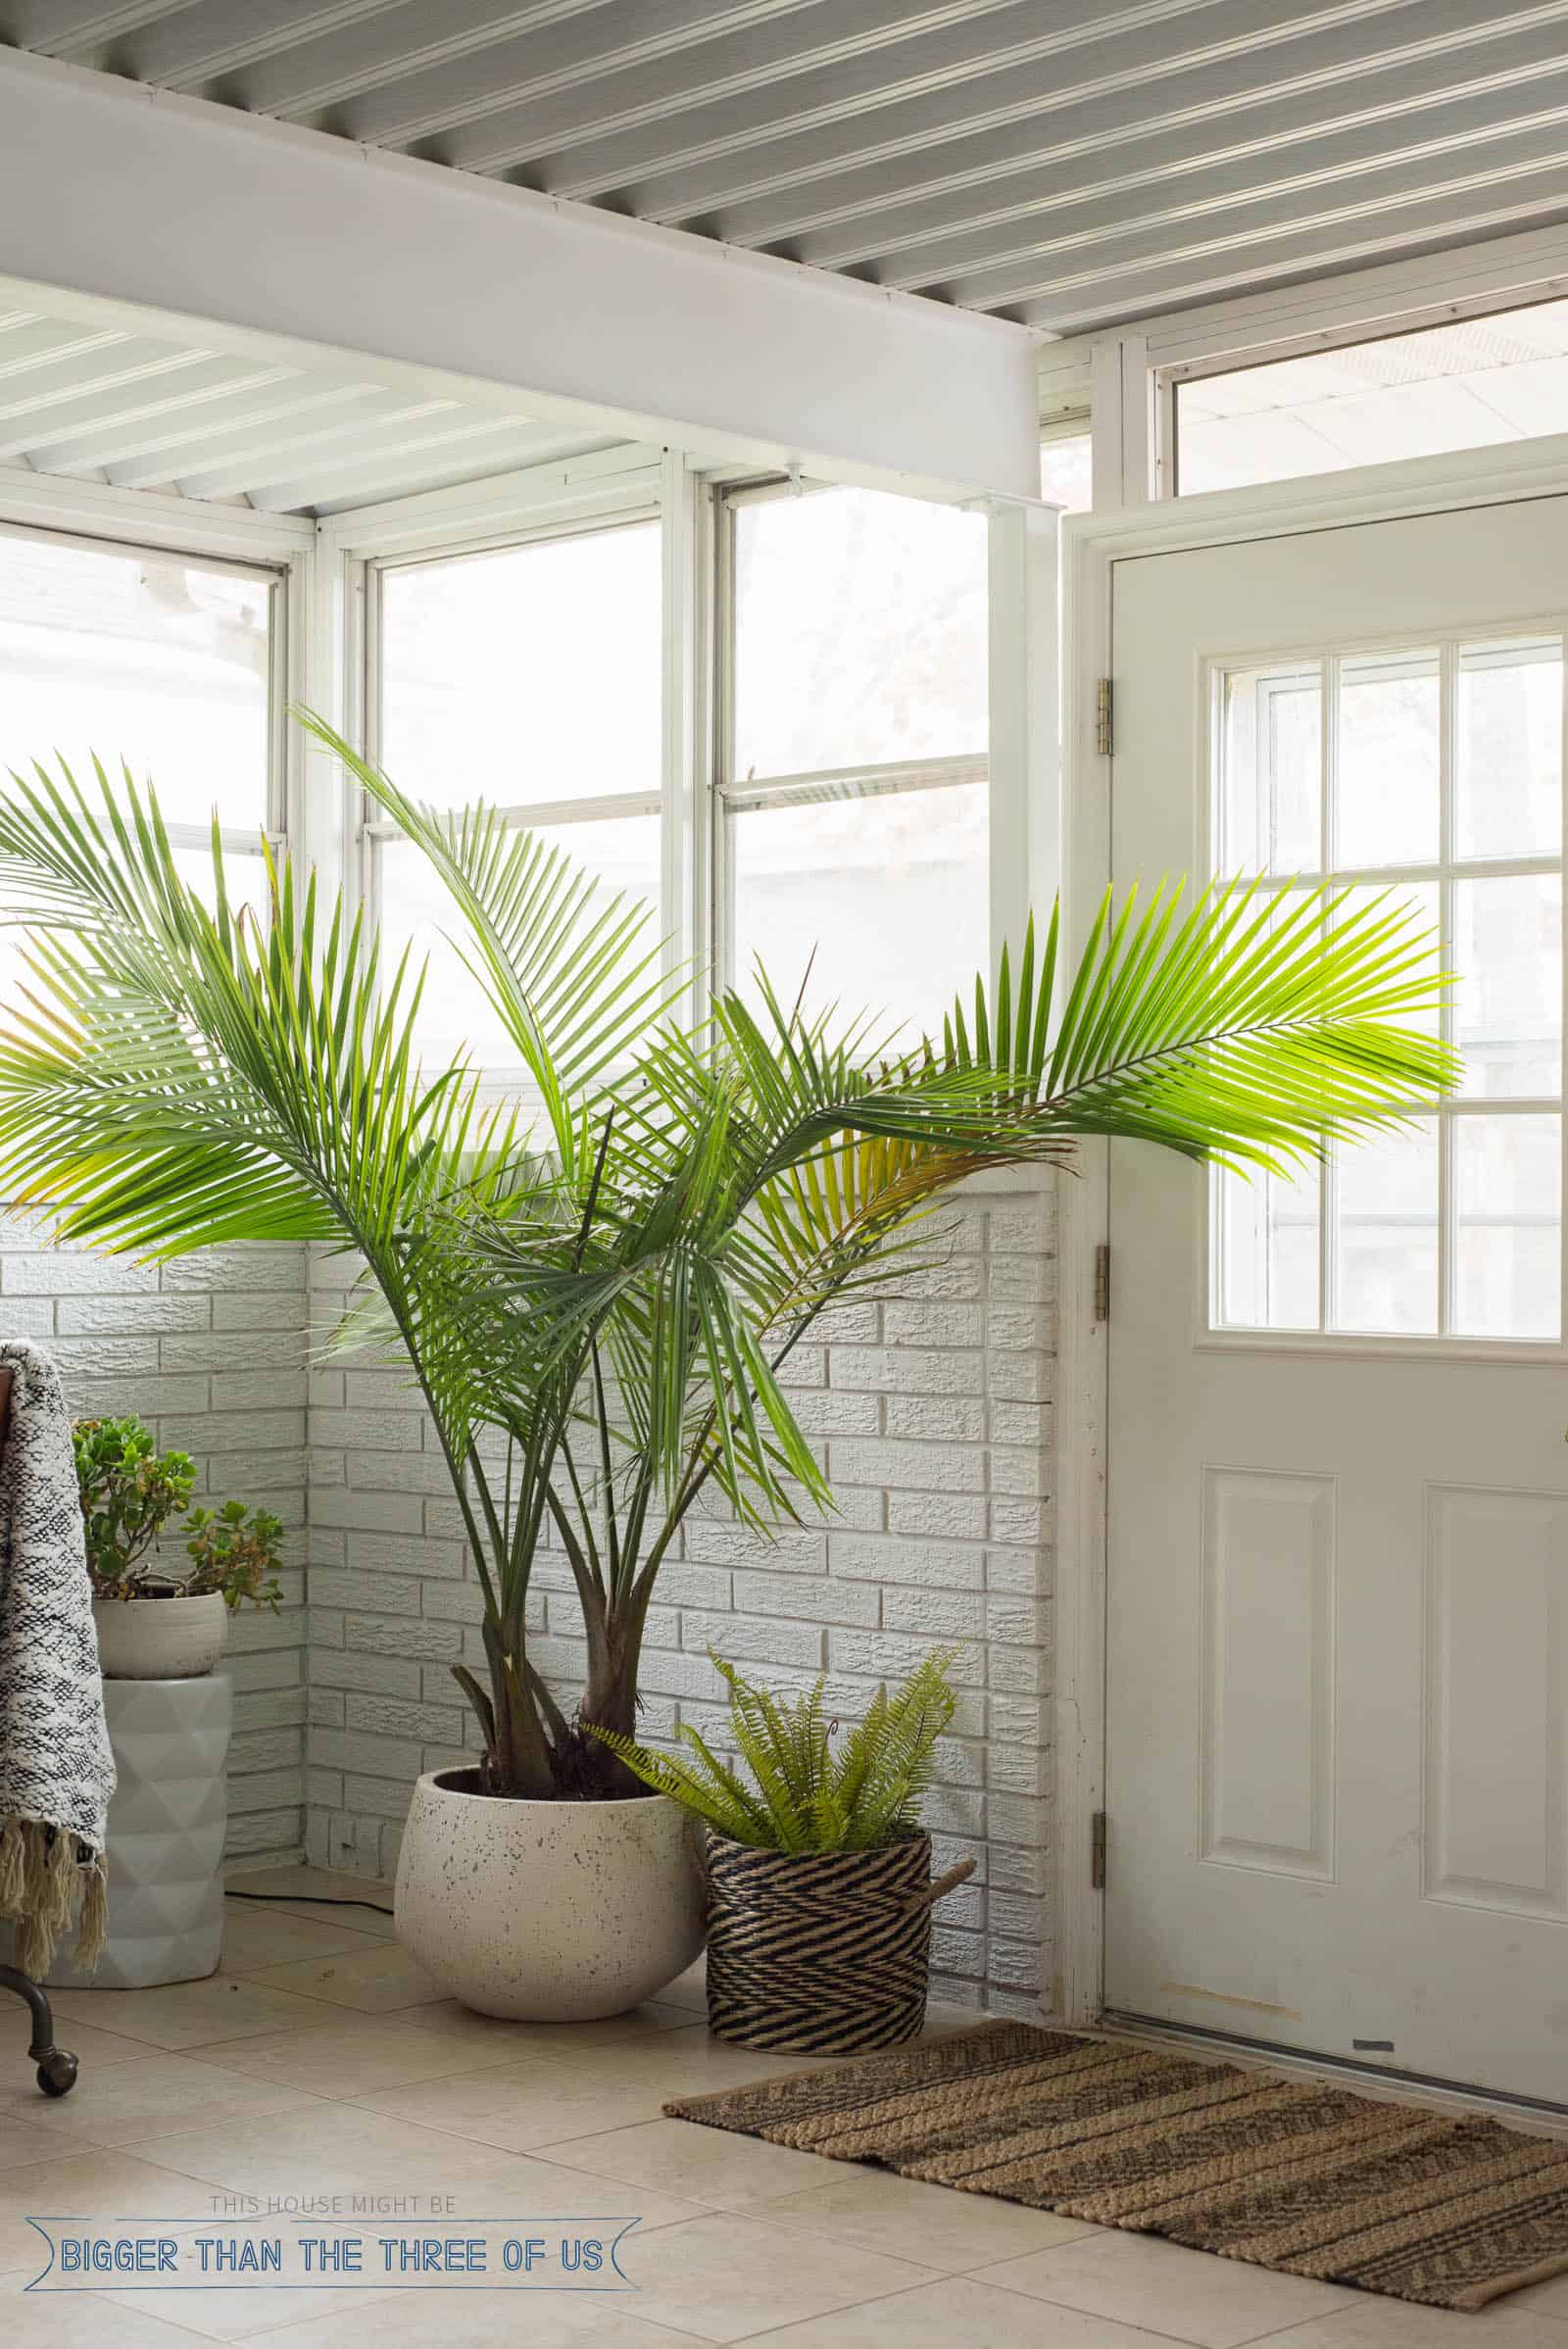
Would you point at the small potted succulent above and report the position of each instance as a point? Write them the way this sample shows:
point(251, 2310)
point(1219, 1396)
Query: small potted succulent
point(154, 1622)
point(819, 1872)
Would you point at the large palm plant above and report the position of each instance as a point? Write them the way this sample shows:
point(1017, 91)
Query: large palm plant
point(595, 1289)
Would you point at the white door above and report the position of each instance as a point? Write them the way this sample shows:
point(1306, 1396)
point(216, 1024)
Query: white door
point(1337, 1780)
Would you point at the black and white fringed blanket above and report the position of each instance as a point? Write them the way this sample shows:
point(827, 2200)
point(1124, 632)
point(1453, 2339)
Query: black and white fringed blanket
point(56, 1769)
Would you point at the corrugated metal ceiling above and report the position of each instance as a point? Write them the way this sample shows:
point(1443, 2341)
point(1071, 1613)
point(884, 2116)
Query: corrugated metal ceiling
point(102, 405)
point(1066, 166)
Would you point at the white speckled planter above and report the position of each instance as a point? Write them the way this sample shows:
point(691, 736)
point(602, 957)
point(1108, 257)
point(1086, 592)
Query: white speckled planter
point(548, 1912)
point(160, 1638)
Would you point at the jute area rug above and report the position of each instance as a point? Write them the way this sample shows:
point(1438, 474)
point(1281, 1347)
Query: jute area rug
point(1420, 2204)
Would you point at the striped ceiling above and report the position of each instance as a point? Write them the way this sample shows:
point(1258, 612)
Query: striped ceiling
point(1067, 163)
point(102, 405)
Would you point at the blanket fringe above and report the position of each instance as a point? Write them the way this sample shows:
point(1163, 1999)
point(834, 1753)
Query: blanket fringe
point(40, 1867)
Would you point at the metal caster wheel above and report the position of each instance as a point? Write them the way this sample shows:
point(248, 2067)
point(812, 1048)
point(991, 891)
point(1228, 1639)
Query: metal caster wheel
point(57, 2073)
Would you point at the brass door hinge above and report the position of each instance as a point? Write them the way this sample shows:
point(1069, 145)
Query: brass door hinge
point(1104, 728)
point(1097, 1851)
point(1102, 1283)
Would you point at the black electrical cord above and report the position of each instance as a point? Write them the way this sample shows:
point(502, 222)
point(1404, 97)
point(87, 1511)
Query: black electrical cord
point(317, 1900)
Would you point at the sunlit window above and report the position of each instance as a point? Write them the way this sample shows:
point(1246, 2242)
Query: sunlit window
point(528, 677)
point(1467, 385)
point(1343, 766)
point(1066, 469)
point(853, 800)
point(153, 660)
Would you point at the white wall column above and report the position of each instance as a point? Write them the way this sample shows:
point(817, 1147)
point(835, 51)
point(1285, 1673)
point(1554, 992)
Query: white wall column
point(1025, 730)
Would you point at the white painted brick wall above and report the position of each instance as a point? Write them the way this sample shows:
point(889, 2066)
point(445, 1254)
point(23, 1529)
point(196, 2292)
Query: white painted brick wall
point(930, 1405)
point(211, 1352)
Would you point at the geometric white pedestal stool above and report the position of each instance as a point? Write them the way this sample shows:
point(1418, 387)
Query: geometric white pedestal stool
point(167, 1824)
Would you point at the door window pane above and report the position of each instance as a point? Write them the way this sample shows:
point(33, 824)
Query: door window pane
point(1508, 1003)
point(1507, 1181)
point(1472, 1255)
point(1389, 792)
point(527, 676)
point(1266, 1231)
point(1385, 1232)
point(859, 633)
point(883, 899)
point(1272, 772)
point(1509, 759)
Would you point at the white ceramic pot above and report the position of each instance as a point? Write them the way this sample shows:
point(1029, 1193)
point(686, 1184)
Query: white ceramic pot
point(160, 1638)
point(548, 1912)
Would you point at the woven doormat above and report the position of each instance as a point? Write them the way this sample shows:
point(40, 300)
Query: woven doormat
point(1397, 2198)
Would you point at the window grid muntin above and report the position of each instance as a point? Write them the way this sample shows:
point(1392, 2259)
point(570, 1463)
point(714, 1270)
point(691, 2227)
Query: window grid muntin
point(729, 795)
point(372, 831)
point(1446, 873)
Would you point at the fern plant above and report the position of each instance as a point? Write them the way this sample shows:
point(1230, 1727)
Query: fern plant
point(805, 1797)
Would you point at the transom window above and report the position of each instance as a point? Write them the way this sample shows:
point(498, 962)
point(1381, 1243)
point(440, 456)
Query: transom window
point(1433, 772)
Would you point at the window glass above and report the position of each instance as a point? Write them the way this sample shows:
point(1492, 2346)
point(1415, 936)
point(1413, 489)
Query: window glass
point(853, 829)
point(860, 632)
point(1451, 1229)
point(528, 677)
point(1066, 471)
point(1467, 385)
point(142, 658)
point(150, 659)
point(858, 892)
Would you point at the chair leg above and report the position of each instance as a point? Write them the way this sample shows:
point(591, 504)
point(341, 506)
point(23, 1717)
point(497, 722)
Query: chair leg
point(56, 2067)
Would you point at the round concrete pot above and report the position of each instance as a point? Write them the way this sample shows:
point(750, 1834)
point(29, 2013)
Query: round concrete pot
point(548, 1912)
point(160, 1638)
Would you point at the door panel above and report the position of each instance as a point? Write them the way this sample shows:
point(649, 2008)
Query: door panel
point(1337, 1638)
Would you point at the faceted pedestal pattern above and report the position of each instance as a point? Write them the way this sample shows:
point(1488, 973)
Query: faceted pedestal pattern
point(167, 1824)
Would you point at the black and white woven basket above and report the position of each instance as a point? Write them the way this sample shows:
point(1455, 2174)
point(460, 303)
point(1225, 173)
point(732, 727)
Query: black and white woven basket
point(820, 1953)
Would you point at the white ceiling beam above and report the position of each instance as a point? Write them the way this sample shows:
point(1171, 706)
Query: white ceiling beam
point(150, 214)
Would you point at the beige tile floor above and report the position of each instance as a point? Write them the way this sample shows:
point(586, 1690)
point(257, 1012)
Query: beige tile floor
point(320, 2061)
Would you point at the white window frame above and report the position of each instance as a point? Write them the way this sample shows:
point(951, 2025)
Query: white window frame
point(1442, 873)
point(369, 829)
point(729, 795)
point(1129, 374)
point(277, 553)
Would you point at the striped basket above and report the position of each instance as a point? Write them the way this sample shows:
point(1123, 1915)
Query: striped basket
point(820, 1953)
